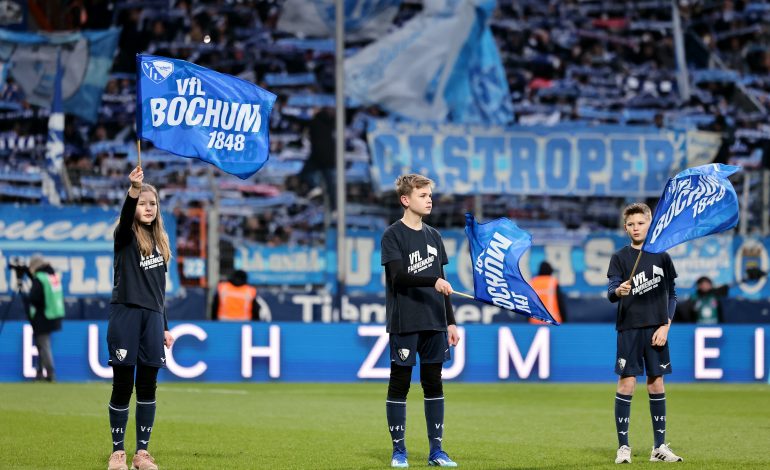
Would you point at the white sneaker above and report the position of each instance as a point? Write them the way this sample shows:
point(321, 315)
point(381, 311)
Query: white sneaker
point(624, 455)
point(664, 454)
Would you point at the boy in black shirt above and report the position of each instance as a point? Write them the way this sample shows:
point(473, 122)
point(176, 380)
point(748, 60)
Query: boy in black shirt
point(419, 315)
point(646, 308)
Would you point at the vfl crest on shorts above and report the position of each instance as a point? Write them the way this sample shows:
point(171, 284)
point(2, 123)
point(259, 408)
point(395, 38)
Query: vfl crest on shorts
point(157, 70)
point(403, 354)
point(621, 363)
point(120, 354)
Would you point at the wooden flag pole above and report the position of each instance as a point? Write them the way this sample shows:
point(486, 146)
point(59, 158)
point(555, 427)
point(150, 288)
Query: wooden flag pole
point(633, 271)
point(139, 152)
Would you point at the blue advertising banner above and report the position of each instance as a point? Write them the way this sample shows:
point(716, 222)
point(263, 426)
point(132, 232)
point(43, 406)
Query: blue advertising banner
point(295, 352)
point(580, 266)
point(76, 241)
point(557, 160)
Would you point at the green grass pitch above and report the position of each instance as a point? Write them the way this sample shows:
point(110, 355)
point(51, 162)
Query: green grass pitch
point(342, 426)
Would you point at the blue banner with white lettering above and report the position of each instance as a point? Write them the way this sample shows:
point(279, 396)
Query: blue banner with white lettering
point(298, 352)
point(86, 57)
point(580, 262)
point(76, 241)
point(695, 203)
point(496, 248)
point(195, 112)
point(556, 160)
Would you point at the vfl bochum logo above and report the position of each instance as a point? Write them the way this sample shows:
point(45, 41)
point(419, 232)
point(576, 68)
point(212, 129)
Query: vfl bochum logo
point(120, 354)
point(157, 70)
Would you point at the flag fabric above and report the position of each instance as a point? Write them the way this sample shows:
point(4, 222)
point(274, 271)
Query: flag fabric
point(364, 19)
point(496, 248)
point(86, 57)
point(54, 147)
point(195, 112)
point(696, 202)
point(440, 66)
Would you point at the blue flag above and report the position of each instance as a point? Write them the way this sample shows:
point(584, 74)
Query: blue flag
point(697, 202)
point(496, 248)
point(195, 112)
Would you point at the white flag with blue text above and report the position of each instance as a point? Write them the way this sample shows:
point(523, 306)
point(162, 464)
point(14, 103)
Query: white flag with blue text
point(441, 66)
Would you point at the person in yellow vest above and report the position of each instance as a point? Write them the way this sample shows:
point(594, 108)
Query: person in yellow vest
point(547, 288)
point(235, 300)
point(45, 309)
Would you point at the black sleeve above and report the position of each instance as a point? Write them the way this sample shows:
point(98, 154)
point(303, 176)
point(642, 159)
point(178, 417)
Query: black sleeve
point(165, 320)
point(389, 249)
point(124, 232)
point(615, 282)
point(450, 313)
point(615, 276)
point(400, 278)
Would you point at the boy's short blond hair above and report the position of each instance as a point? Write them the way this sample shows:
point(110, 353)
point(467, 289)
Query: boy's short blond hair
point(405, 184)
point(636, 208)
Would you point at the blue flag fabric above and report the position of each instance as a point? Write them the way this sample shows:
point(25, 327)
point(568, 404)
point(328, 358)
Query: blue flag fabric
point(195, 112)
point(697, 202)
point(496, 248)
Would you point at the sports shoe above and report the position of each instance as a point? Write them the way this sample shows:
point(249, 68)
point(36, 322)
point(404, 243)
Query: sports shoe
point(624, 455)
point(440, 459)
point(143, 461)
point(399, 460)
point(117, 461)
point(664, 454)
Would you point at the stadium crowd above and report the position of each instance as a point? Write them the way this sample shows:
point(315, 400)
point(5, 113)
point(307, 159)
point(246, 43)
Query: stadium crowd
point(590, 62)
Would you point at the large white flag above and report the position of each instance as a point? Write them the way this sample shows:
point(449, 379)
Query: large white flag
point(441, 66)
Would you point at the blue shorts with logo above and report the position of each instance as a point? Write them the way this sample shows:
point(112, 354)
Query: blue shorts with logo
point(135, 336)
point(432, 346)
point(637, 354)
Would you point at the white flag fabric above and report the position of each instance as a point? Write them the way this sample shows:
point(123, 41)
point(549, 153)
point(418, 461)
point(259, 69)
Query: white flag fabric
point(441, 66)
point(364, 19)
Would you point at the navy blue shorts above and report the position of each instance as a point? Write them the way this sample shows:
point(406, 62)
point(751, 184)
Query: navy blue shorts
point(432, 346)
point(135, 336)
point(637, 354)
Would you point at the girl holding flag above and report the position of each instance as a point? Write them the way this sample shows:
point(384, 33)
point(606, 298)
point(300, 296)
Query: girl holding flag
point(137, 329)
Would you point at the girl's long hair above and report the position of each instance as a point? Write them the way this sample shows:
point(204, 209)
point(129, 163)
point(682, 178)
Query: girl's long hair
point(159, 236)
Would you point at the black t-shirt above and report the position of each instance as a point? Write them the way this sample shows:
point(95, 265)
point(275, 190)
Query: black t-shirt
point(139, 280)
point(653, 284)
point(422, 253)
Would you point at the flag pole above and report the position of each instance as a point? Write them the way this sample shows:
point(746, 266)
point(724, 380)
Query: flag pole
point(462, 294)
point(633, 271)
point(139, 152)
